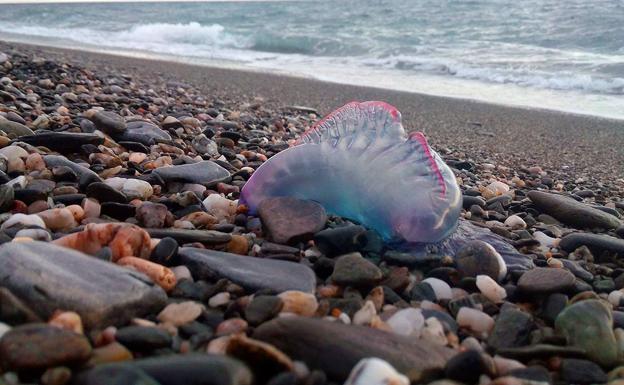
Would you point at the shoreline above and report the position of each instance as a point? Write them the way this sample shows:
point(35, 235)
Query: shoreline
point(570, 145)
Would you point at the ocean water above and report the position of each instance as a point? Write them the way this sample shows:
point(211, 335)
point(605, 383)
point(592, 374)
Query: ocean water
point(562, 55)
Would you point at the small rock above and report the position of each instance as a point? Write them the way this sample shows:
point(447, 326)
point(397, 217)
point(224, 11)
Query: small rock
point(108, 122)
point(467, 367)
point(512, 329)
point(143, 338)
point(373, 371)
point(546, 280)
point(475, 320)
point(153, 215)
point(297, 302)
point(291, 220)
point(489, 288)
point(353, 270)
point(407, 322)
point(478, 257)
point(575, 371)
point(263, 308)
point(182, 313)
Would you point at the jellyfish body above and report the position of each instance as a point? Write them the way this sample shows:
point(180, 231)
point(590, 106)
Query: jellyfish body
point(359, 163)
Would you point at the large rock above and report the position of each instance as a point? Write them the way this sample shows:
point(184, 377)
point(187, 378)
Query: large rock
point(336, 348)
point(189, 369)
point(48, 277)
point(589, 325)
point(597, 243)
point(249, 272)
point(205, 173)
point(571, 212)
point(290, 219)
point(38, 346)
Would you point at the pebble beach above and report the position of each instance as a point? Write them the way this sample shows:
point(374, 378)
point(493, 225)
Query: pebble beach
point(125, 257)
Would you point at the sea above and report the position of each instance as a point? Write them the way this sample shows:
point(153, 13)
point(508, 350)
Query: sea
point(565, 55)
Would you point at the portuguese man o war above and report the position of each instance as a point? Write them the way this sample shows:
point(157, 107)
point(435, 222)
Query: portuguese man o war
point(359, 163)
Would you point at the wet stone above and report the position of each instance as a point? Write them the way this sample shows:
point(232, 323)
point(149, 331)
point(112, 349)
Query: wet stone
point(143, 338)
point(263, 308)
point(571, 212)
point(291, 220)
point(249, 272)
point(546, 280)
point(354, 270)
point(101, 293)
point(37, 346)
point(512, 329)
point(204, 173)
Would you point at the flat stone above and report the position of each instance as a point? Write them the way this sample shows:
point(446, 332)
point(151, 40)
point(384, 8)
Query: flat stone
point(62, 141)
point(204, 173)
point(14, 128)
point(546, 280)
point(105, 193)
point(142, 132)
point(249, 272)
point(588, 325)
point(108, 122)
point(597, 243)
point(190, 236)
point(336, 348)
point(571, 212)
point(38, 346)
point(290, 219)
point(512, 329)
point(101, 293)
point(354, 270)
point(143, 338)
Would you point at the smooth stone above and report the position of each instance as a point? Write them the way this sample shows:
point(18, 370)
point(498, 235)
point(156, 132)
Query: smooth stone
point(142, 132)
point(101, 293)
point(204, 173)
point(120, 211)
point(511, 329)
point(108, 122)
point(571, 212)
point(552, 306)
point(114, 374)
point(189, 236)
point(86, 175)
point(545, 280)
point(597, 243)
point(62, 141)
point(263, 308)
point(575, 371)
point(105, 193)
point(143, 338)
point(14, 128)
point(37, 346)
point(372, 371)
point(306, 339)
point(165, 251)
point(340, 240)
point(249, 272)
point(152, 215)
point(354, 270)
point(178, 314)
point(467, 367)
point(290, 219)
point(477, 258)
point(588, 325)
point(13, 311)
point(407, 322)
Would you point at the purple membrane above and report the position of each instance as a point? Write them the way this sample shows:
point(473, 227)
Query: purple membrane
point(359, 163)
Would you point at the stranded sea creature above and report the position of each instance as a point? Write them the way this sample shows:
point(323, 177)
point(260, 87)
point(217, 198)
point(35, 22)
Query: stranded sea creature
point(359, 163)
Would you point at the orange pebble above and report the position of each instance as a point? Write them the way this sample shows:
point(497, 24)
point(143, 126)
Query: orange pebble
point(68, 320)
point(161, 275)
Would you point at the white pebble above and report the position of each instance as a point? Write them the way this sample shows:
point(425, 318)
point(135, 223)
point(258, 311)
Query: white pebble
point(442, 289)
point(375, 371)
point(220, 207)
point(182, 272)
point(219, 299)
point(365, 314)
point(434, 331)
point(19, 182)
point(115, 182)
point(4, 328)
point(474, 320)
point(407, 322)
point(498, 187)
point(546, 242)
point(36, 234)
point(615, 297)
point(136, 188)
point(23, 219)
point(515, 222)
point(489, 288)
point(13, 152)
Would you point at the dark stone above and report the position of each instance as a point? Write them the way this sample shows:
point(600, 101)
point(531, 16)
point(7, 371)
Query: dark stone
point(14, 128)
point(445, 319)
point(143, 338)
point(571, 212)
point(469, 201)
point(512, 329)
point(69, 199)
point(546, 280)
point(108, 122)
point(29, 196)
point(205, 173)
point(422, 291)
point(38, 346)
point(336, 348)
point(183, 236)
point(575, 371)
point(577, 270)
point(101, 293)
point(249, 272)
point(114, 374)
point(6, 198)
point(105, 193)
point(120, 211)
point(290, 220)
point(478, 257)
point(142, 132)
point(533, 374)
point(263, 308)
point(540, 351)
point(165, 251)
point(13, 311)
point(62, 141)
point(597, 243)
point(467, 367)
point(552, 306)
point(339, 240)
point(353, 270)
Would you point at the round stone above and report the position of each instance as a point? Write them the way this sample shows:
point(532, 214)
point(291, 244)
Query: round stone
point(480, 258)
point(546, 280)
